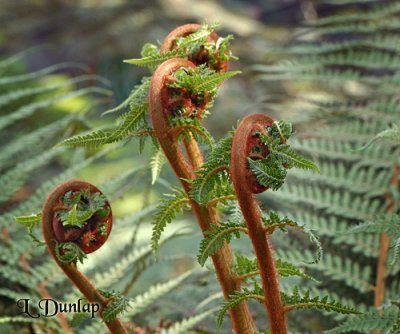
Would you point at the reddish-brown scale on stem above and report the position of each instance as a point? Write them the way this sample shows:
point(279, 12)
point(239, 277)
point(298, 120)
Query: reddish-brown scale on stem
point(51, 223)
point(244, 143)
point(242, 321)
point(201, 56)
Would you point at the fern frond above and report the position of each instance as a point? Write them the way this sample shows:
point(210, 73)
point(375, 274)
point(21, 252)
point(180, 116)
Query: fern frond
point(338, 203)
point(118, 305)
point(91, 139)
point(37, 74)
point(35, 202)
point(385, 322)
point(196, 37)
point(156, 59)
point(273, 221)
point(235, 299)
point(374, 13)
point(390, 23)
point(156, 162)
point(118, 269)
point(246, 268)
point(17, 94)
point(183, 126)
point(18, 148)
point(213, 175)
point(268, 172)
point(358, 179)
point(297, 301)
point(29, 109)
point(166, 212)
point(216, 238)
point(286, 269)
point(333, 267)
point(29, 221)
point(394, 250)
point(337, 229)
point(141, 302)
point(136, 97)
point(200, 80)
point(186, 324)
point(389, 223)
point(11, 180)
point(283, 153)
point(392, 133)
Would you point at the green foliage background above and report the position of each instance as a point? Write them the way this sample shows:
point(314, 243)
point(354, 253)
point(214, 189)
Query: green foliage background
point(338, 85)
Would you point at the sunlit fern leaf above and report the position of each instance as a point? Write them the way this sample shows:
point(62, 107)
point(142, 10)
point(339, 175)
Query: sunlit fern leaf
point(93, 138)
point(156, 163)
point(387, 322)
point(29, 221)
point(15, 95)
point(166, 212)
point(186, 324)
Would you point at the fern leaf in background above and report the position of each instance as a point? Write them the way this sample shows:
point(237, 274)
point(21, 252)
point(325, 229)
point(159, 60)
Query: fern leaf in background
point(353, 134)
point(31, 167)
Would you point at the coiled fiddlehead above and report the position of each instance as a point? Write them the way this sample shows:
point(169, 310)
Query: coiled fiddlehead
point(160, 109)
point(69, 230)
point(246, 144)
point(200, 55)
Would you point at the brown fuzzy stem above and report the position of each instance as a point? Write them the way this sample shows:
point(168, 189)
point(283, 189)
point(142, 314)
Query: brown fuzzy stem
point(242, 321)
point(243, 142)
point(77, 278)
point(383, 250)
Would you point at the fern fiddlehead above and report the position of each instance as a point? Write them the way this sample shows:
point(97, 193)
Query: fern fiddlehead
point(162, 110)
point(201, 54)
point(77, 220)
point(247, 144)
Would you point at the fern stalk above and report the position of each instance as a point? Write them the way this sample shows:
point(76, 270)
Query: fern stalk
point(70, 269)
point(383, 251)
point(242, 321)
point(241, 148)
